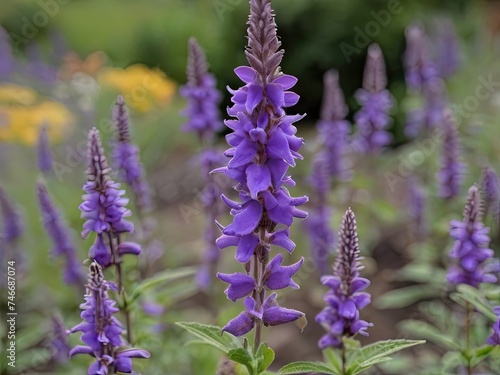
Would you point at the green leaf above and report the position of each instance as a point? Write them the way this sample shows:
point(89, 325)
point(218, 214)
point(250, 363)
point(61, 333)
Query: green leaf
point(406, 296)
point(377, 352)
point(332, 358)
point(264, 356)
point(240, 355)
point(429, 332)
point(301, 367)
point(211, 335)
point(475, 298)
point(162, 277)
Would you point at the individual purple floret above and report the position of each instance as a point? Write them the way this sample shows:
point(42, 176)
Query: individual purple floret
point(104, 208)
point(419, 67)
point(7, 62)
point(447, 49)
point(101, 330)
point(471, 245)
point(60, 236)
point(416, 201)
point(491, 188)
point(45, 157)
point(13, 225)
point(346, 298)
point(263, 146)
point(373, 118)
point(202, 95)
point(451, 173)
point(494, 338)
point(126, 158)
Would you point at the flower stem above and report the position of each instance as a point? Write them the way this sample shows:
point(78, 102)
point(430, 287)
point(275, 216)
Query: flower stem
point(342, 353)
point(467, 337)
point(258, 302)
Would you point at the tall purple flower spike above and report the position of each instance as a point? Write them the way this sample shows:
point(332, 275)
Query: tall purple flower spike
point(263, 146)
point(470, 251)
point(373, 118)
point(126, 158)
point(45, 157)
point(450, 175)
point(202, 95)
point(494, 338)
point(7, 62)
point(447, 49)
point(345, 298)
point(13, 225)
point(60, 236)
point(104, 209)
point(491, 188)
point(101, 330)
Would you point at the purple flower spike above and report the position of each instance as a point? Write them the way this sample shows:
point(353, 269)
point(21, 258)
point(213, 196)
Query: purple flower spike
point(447, 49)
point(491, 188)
point(101, 330)
point(494, 338)
point(346, 297)
point(202, 95)
point(45, 162)
point(373, 117)
point(263, 145)
point(471, 245)
point(451, 173)
point(126, 158)
point(13, 225)
point(60, 236)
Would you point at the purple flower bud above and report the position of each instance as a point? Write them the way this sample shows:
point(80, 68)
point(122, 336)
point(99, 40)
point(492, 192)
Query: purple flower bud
point(373, 118)
point(451, 173)
point(102, 330)
point(494, 338)
point(471, 245)
point(126, 158)
point(60, 236)
point(45, 162)
point(346, 297)
point(13, 226)
point(491, 188)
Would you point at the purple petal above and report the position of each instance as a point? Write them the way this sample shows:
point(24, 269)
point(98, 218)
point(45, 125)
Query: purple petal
point(246, 248)
point(258, 179)
point(348, 309)
point(129, 248)
point(254, 97)
point(275, 94)
point(245, 73)
point(282, 239)
point(278, 148)
point(133, 353)
point(247, 220)
point(286, 81)
point(244, 154)
point(240, 285)
point(279, 315)
point(240, 325)
point(80, 349)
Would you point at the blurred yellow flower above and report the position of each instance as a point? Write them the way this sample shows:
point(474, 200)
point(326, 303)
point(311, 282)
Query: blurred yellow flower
point(141, 87)
point(21, 123)
point(10, 93)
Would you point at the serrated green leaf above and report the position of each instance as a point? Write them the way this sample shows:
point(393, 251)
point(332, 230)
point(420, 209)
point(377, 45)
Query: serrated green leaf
point(427, 331)
point(212, 335)
point(264, 356)
point(241, 356)
point(162, 277)
point(406, 296)
point(369, 355)
point(301, 367)
point(332, 358)
point(476, 299)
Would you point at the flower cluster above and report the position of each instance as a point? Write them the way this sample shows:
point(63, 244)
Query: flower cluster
point(373, 118)
point(102, 330)
point(126, 158)
point(491, 188)
point(59, 233)
point(104, 208)
point(263, 146)
point(450, 174)
point(346, 297)
point(471, 245)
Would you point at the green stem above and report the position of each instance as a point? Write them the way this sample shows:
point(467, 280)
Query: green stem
point(342, 353)
point(467, 337)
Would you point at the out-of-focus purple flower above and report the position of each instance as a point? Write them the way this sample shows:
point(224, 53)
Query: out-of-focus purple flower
point(7, 62)
point(126, 158)
point(101, 330)
point(263, 146)
point(451, 173)
point(494, 338)
point(60, 236)
point(202, 95)
point(430, 116)
point(45, 158)
point(416, 201)
point(13, 225)
point(491, 188)
point(471, 245)
point(420, 69)
point(59, 341)
point(346, 297)
point(373, 118)
point(446, 48)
